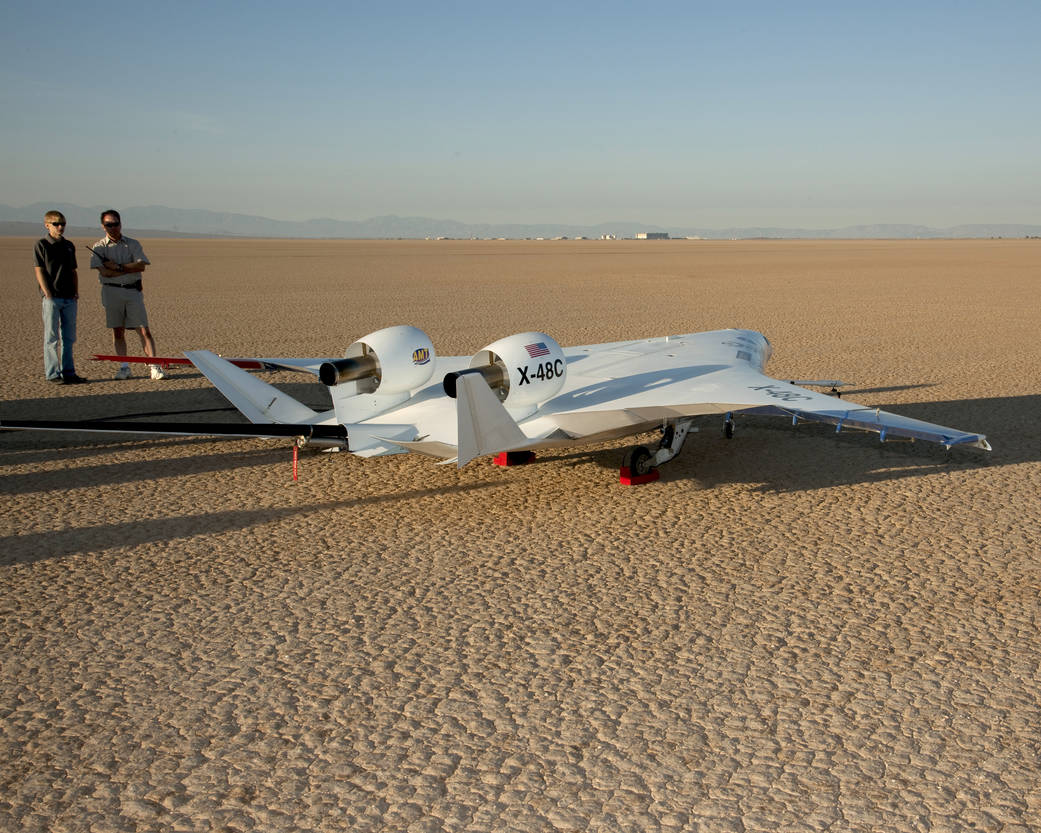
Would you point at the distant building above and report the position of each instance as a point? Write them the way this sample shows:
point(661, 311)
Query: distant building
point(652, 235)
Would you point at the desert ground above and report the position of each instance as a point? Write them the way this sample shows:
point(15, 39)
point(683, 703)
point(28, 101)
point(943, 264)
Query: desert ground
point(790, 631)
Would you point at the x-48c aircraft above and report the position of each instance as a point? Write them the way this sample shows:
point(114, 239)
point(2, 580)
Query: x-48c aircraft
point(392, 393)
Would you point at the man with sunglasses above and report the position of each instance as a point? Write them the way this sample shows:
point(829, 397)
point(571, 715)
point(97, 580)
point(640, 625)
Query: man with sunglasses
point(54, 261)
point(120, 261)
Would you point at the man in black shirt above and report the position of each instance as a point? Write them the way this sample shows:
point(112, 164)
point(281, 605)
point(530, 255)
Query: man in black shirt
point(54, 260)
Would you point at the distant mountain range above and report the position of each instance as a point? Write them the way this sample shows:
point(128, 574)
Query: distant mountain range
point(158, 220)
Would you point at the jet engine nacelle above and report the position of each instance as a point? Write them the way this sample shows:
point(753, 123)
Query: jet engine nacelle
point(393, 360)
point(524, 369)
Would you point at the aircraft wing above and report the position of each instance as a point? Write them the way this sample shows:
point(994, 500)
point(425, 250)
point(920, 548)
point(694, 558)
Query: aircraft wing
point(886, 424)
point(248, 363)
point(786, 399)
point(299, 365)
point(333, 434)
point(625, 386)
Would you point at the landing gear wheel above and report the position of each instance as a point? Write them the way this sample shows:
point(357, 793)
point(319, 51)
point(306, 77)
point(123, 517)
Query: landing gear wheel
point(728, 429)
point(638, 460)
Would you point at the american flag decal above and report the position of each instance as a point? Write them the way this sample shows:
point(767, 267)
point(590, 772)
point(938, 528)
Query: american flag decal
point(537, 349)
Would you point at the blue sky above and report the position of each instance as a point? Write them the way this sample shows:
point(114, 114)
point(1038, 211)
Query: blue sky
point(813, 115)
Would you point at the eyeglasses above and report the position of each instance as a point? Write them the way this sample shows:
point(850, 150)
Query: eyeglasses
point(58, 223)
point(112, 225)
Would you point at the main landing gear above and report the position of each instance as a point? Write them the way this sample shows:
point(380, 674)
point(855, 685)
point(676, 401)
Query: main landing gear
point(640, 466)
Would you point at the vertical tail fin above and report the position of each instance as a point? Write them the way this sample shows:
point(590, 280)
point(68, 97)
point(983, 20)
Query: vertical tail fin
point(258, 401)
point(484, 425)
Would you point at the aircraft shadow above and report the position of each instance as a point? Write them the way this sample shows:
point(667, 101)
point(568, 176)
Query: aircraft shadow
point(854, 392)
point(43, 546)
point(26, 447)
point(106, 474)
point(609, 390)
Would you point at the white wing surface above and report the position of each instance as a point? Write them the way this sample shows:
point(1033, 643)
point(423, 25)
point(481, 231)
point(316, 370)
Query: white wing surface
point(617, 388)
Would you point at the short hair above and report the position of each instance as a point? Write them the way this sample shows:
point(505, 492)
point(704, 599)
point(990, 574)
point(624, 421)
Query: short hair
point(52, 216)
point(111, 211)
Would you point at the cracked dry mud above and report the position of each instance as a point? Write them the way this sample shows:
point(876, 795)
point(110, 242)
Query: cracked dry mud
point(790, 631)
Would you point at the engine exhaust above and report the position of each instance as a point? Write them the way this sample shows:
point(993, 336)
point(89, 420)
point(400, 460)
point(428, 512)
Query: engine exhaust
point(494, 374)
point(348, 370)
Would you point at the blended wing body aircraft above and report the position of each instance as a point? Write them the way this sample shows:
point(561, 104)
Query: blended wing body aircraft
point(392, 393)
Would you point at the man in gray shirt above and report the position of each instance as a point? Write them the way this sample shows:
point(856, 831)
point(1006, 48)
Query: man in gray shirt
point(120, 261)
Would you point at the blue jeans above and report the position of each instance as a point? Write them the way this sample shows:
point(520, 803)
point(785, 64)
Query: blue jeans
point(59, 334)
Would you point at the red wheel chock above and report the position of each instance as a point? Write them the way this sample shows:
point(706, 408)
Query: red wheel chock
point(626, 478)
point(513, 458)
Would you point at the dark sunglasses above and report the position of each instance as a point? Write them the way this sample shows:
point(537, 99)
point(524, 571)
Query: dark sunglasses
point(112, 225)
point(58, 222)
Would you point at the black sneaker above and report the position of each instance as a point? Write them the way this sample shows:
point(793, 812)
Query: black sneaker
point(73, 379)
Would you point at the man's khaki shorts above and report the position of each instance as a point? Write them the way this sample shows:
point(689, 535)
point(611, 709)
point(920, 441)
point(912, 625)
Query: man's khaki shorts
point(123, 307)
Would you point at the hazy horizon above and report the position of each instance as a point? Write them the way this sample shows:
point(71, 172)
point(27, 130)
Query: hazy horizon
point(804, 116)
point(169, 221)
